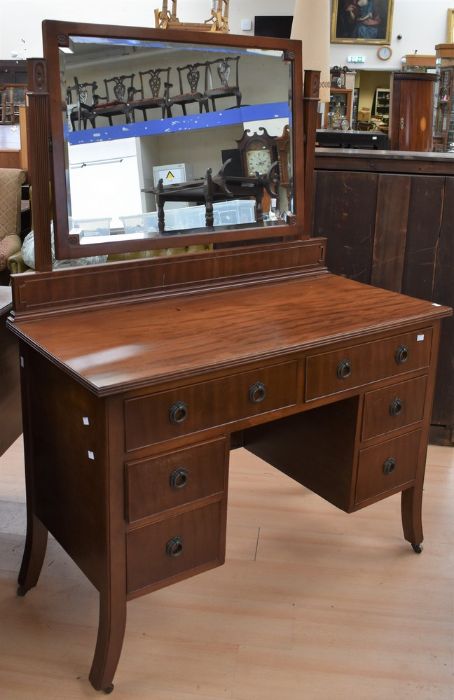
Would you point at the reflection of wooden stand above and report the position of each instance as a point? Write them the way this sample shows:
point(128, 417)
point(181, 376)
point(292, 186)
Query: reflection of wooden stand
point(220, 188)
point(217, 22)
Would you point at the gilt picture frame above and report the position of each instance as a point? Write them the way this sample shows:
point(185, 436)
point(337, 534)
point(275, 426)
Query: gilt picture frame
point(450, 26)
point(361, 21)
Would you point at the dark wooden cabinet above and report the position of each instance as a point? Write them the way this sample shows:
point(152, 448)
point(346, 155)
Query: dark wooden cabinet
point(390, 223)
point(13, 72)
point(411, 116)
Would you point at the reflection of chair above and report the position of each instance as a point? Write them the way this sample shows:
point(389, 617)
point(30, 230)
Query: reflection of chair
point(86, 99)
point(159, 91)
point(223, 71)
point(189, 75)
point(11, 181)
point(123, 90)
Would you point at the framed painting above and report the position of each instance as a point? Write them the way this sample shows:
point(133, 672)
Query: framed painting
point(361, 21)
point(450, 26)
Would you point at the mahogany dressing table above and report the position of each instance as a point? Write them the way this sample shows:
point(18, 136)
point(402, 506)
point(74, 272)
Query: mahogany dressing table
point(138, 377)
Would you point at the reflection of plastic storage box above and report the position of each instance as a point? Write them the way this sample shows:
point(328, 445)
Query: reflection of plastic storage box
point(235, 211)
point(185, 217)
point(92, 227)
point(141, 223)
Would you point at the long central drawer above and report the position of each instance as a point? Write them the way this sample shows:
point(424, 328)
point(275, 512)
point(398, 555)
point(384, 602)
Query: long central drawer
point(157, 417)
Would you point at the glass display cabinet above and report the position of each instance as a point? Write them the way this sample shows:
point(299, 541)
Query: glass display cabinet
point(444, 104)
point(382, 104)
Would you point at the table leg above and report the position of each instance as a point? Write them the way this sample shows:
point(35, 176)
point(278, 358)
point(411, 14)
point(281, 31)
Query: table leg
point(411, 505)
point(112, 622)
point(34, 552)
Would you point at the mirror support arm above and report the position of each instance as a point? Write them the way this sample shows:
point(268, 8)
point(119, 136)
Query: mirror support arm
point(38, 145)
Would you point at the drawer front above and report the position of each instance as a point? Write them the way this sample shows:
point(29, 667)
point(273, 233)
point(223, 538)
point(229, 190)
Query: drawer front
point(174, 479)
point(170, 414)
point(387, 466)
point(175, 546)
point(394, 407)
point(332, 372)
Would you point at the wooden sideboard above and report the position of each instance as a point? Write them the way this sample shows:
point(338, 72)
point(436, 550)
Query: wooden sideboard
point(328, 380)
point(390, 223)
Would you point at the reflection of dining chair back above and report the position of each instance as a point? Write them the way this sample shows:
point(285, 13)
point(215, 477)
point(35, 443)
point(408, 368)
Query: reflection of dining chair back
point(191, 75)
point(153, 92)
point(188, 80)
point(122, 87)
point(221, 80)
point(86, 99)
point(157, 80)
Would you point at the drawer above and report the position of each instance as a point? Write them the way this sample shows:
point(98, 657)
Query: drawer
point(176, 547)
point(163, 416)
point(393, 407)
point(331, 372)
point(387, 466)
point(174, 479)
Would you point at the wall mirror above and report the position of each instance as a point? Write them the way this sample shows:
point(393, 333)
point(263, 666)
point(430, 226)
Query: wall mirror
point(164, 140)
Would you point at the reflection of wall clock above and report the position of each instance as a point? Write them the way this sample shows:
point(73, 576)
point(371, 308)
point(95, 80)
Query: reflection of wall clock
point(384, 53)
point(258, 152)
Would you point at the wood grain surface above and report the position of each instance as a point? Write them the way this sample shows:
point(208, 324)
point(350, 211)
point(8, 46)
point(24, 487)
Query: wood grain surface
point(136, 344)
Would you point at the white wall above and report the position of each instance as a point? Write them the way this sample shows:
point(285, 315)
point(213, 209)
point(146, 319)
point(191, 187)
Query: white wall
point(422, 24)
point(21, 19)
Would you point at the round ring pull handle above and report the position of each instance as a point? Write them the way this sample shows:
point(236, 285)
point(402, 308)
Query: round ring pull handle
point(344, 369)
point(257, 392)
point(174, 547)
point(401, 354)
point(396, 407)
point(178, 412)
point(389, 466)
point(179, 478)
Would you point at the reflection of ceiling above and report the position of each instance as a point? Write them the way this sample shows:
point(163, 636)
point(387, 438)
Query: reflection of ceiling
point(86, 50)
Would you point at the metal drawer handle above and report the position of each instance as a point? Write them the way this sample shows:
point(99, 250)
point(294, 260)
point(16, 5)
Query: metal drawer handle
point(401, 354)
point(257, 392)
point(396, 407)
point(389, 466)
point(344, 369)
point(179, 478)
point(174, 547)
point(178, 412)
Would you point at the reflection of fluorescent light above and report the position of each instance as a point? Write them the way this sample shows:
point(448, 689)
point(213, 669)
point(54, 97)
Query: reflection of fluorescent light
point(65, 49)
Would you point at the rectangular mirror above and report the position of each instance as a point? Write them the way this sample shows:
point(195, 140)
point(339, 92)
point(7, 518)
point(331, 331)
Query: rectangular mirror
point(165, 139)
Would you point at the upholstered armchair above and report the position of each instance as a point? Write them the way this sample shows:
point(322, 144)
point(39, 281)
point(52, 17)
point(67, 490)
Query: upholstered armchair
point(11, 181)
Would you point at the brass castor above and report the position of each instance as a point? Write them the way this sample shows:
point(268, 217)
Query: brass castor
point(417, 548)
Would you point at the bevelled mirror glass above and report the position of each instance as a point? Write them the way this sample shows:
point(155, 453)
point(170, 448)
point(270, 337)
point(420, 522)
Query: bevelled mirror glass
point(168, 138)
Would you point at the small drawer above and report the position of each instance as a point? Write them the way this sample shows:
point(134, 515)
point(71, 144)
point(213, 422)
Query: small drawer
point(158, 417)
point(331, 372)
point(387, 466)
point(176, 546)
point(393, 407)
point(174, 479)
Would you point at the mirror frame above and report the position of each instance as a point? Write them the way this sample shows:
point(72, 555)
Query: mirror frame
point(55, 35)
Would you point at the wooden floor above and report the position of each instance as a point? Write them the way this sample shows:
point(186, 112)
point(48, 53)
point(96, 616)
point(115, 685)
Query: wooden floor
point(311, 604)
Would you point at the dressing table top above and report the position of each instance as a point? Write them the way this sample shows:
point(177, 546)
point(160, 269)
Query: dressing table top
point(136, 344)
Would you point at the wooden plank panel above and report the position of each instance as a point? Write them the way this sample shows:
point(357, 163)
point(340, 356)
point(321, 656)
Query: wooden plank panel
point(443, 412)
point(424, 221)
point(345, 211)
point(393, 198)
